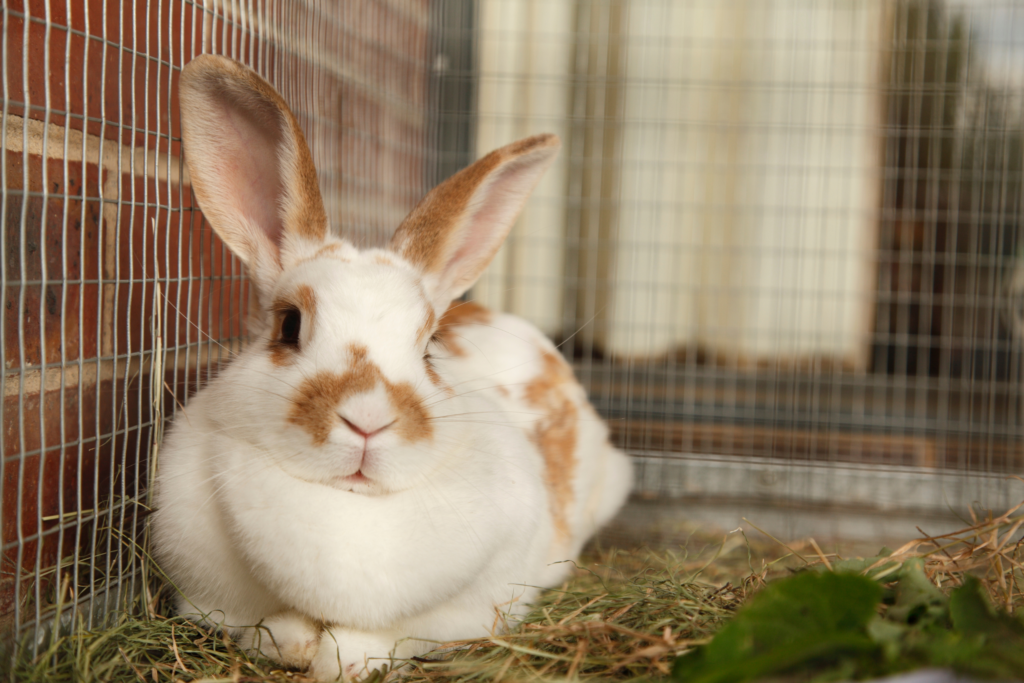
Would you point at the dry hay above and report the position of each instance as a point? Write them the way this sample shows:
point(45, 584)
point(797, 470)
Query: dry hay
point(623, 614)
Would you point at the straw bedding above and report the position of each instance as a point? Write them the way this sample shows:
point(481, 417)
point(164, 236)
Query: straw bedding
point(624, 614)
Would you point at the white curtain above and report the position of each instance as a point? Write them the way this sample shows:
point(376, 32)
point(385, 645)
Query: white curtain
point(750, 177)
point(525, 65)
point(747, 166)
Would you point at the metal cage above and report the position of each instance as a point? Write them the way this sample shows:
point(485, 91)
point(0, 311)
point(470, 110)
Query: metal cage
point(118, 301)
point(782, 245)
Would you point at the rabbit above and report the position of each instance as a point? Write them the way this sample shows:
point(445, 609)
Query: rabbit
point(383, 467)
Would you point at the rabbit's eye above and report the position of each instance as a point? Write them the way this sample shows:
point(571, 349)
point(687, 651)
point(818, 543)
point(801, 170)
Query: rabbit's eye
point(435, 342)
point(291, 323)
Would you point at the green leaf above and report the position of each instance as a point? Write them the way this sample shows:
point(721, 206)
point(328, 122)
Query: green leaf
point(888, 635)
point(972, 613)
point(918, 600)
point(997, 637)
point(806, 618)
point(859, 565)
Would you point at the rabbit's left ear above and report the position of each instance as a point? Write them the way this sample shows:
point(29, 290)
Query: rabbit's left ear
point(455, 231)
point(249, 165)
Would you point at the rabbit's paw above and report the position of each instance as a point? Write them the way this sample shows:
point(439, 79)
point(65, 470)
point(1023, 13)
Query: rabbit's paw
point(348, 655)
point(288, 638)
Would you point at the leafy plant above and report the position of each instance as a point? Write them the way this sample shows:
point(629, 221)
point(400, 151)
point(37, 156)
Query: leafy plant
point(839, 626)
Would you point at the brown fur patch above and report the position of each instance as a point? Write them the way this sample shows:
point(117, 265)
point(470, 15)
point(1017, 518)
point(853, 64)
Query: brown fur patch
point(555, 434)
point(435, 378)
point(428, 326)
point(304, 211)
point(306, 299)
point(315, 405)
point(330, 249)
point(459, 313)
point(302, 299)
point(413, 423)
point(384, 260)
point(281, 355)
point(423, 237)
point(306, 215)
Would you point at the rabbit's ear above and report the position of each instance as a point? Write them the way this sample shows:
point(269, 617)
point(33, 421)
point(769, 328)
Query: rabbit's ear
point(249, 164)
point(454, 232)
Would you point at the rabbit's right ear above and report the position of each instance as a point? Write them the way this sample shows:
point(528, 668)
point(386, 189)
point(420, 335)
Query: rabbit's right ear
point(455, 231)
point(249, 164)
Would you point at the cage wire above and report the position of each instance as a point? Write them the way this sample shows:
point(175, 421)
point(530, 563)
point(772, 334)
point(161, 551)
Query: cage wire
point(118, 301)
point(781, 244)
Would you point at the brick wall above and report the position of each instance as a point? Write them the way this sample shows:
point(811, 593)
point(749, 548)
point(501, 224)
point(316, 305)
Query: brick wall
point(112, 282)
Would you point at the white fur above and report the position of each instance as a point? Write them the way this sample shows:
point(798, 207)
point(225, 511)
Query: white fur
point(249, 523)
point(277, 538)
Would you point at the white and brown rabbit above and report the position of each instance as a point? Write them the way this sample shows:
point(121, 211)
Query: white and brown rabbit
point(381, 469)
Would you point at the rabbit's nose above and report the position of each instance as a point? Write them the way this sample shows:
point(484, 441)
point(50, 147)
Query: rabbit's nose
point(366, 430)
point(368, 413)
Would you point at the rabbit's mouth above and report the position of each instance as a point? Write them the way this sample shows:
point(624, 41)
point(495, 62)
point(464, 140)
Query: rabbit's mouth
point(357, 483)
point(357, 478)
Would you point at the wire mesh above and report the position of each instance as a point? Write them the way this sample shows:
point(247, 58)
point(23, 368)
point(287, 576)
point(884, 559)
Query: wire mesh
point(781, 244)
point(118, 301)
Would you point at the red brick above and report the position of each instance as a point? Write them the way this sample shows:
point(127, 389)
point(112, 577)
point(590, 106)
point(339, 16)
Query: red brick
point(45, 313)
point(67, 233)
point(185, 249)
point(87, 469)
point(127, 44)
point(63, 220)
point(108, 435)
